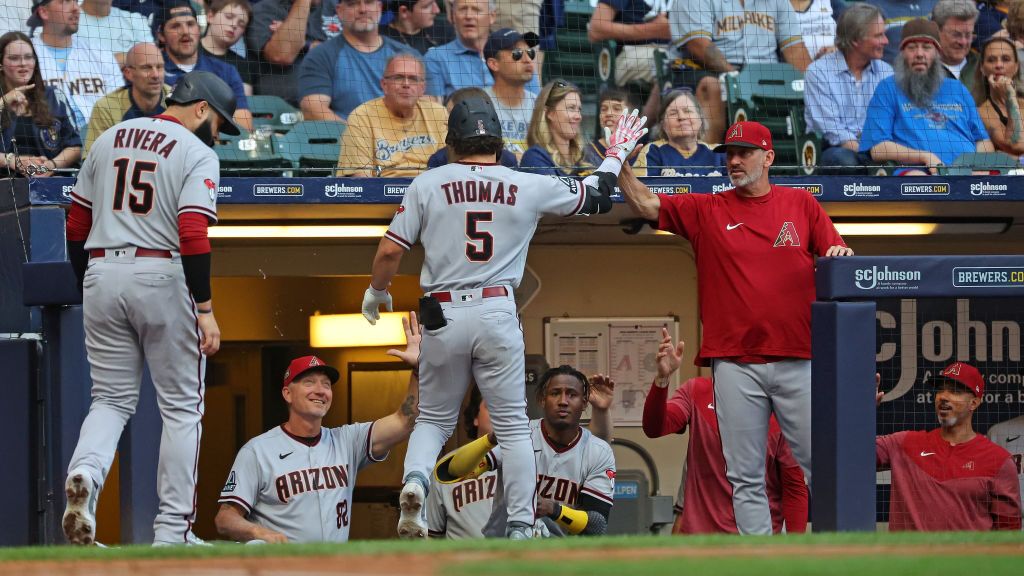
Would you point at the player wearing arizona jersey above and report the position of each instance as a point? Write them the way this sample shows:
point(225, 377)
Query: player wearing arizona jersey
point(575, 469)
point(755, 247)
point(461, 509)
point(295, 482)
point(950, 478)
point(705, 499)
point(475, 220)
point(137, 240)
point(1010, 435)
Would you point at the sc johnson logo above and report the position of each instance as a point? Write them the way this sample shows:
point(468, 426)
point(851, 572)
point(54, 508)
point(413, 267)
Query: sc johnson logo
point(276, 190)
point(717, 188)
point(395, 190)
point(65, 191)
point(342, 191)
point(988, 189)
point(925, 189)
point(677, 189)
point(875, 278)
point(814, 189)
point(861, 190)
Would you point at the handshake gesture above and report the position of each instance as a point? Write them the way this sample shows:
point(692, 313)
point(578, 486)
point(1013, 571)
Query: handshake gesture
point(624, 138)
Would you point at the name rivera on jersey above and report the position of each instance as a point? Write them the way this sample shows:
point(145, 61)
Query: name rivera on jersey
point(142, 139)
point(310, 479)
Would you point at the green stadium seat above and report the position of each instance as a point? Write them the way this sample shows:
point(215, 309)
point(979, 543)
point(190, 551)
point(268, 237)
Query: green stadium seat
point(773, 94)
point(573, 58)
point(273, 111)
point(247, 155)
point(991, 162)
point(312, 144)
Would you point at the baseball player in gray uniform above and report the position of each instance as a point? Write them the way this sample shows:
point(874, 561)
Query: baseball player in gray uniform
point(461, 509)
point(475, 220)
point(295, 482)
point(137, 238)
point(1010, 435)
point(575, 469)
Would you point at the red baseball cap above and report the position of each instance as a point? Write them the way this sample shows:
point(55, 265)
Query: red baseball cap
point(301, 366)
point(747, 135)
point(965, 375)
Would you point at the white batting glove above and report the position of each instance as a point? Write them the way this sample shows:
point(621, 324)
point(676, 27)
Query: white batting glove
point(372, 299)
point(628, 132)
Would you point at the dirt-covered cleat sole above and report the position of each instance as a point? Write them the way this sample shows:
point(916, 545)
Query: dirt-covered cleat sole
point(79, 521)
point(411, 525)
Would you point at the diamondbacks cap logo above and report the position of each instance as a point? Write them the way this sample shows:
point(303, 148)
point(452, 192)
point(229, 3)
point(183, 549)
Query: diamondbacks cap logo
point(480, 128)
point(314, 361)
point(787, 236)
point(952, 370)
point(736, 132)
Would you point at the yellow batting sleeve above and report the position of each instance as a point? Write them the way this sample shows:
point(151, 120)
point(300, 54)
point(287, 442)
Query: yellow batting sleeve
point(468, 461)
point(574, 521)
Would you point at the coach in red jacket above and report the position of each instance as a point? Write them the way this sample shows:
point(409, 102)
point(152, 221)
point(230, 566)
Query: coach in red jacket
point(950, 478)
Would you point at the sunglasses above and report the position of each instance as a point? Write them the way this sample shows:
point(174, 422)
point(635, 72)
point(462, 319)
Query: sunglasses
point(517, 54)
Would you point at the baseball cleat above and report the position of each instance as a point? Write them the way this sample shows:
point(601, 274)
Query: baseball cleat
point(80, 513)
point(411, 525)
point(519, 531)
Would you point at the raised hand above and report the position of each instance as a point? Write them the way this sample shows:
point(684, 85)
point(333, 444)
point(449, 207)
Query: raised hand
point(627, 133)
point(602, 392)
point(411, 354)
point(670, 355)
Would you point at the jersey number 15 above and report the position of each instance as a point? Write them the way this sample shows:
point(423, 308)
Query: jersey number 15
point(140, 200)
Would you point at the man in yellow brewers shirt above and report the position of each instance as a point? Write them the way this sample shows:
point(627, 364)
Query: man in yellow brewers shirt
point(393, 136)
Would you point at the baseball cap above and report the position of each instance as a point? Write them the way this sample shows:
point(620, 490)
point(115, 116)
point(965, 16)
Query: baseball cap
point(965, 375)
point(174, 9)
point(920, 30)
point(747, 134)
point(300, 366)
point(506, 39)
point(34, 21)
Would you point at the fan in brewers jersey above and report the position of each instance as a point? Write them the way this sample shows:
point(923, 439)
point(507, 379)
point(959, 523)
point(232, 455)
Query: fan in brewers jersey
point(575, 469)
point(461, 509)
point(295, 482)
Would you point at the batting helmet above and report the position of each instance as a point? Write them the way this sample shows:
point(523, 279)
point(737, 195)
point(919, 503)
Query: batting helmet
point(200, 85)
point(472, 117)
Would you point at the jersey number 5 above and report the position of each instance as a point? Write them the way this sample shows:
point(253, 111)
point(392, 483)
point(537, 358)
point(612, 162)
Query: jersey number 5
point(483, 251)
point(140, 200)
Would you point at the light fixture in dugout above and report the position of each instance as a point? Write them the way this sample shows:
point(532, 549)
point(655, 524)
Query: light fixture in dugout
point(297, 231)
point(353, 331)
point(903, 228)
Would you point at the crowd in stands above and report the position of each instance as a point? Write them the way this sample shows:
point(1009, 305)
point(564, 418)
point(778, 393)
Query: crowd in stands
point(910, 85)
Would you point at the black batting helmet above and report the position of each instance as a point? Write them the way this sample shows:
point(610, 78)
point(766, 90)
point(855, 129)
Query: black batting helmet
point(472, 117)
point(200, 85)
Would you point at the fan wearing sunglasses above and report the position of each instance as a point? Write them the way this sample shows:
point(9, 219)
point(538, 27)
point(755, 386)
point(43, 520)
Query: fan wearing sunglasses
point(511, 58)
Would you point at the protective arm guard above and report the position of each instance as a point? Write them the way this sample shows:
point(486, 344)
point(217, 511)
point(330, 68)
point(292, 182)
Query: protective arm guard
point(467, 462)
point(598, 188)
point(590, 522)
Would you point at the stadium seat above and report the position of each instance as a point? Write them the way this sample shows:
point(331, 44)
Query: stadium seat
point(247, 155)
point(773, 94)
point(312, 144)
point(273, 111)
point(574, 58)
point(991, 162)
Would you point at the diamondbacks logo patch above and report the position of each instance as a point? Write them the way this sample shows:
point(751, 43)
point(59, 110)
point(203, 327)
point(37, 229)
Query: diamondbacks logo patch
point(231, 484)
point(787, 236)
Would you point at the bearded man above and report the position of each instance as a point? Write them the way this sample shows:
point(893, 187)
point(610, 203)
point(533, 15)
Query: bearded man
point(920, 117)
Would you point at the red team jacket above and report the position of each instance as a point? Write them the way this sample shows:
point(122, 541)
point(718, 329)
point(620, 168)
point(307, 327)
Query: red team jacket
point(936, 486)
point(755, 268)
point(707, 502)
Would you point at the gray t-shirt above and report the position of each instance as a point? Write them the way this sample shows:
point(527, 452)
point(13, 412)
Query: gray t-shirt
point(282, 80)
point(515, 122)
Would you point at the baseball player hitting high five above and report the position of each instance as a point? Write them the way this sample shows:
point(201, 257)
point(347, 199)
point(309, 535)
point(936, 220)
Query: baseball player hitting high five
point(475, 220)
point(137, 235)
point(755, 247)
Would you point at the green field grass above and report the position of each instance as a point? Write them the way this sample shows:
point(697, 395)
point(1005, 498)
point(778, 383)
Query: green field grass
point(945, 552)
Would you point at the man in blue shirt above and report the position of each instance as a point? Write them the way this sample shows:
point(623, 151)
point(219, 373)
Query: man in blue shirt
point(919, 116)
point(844, 81)
point(344, 72)
point(179, 35)
point(460, 63)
